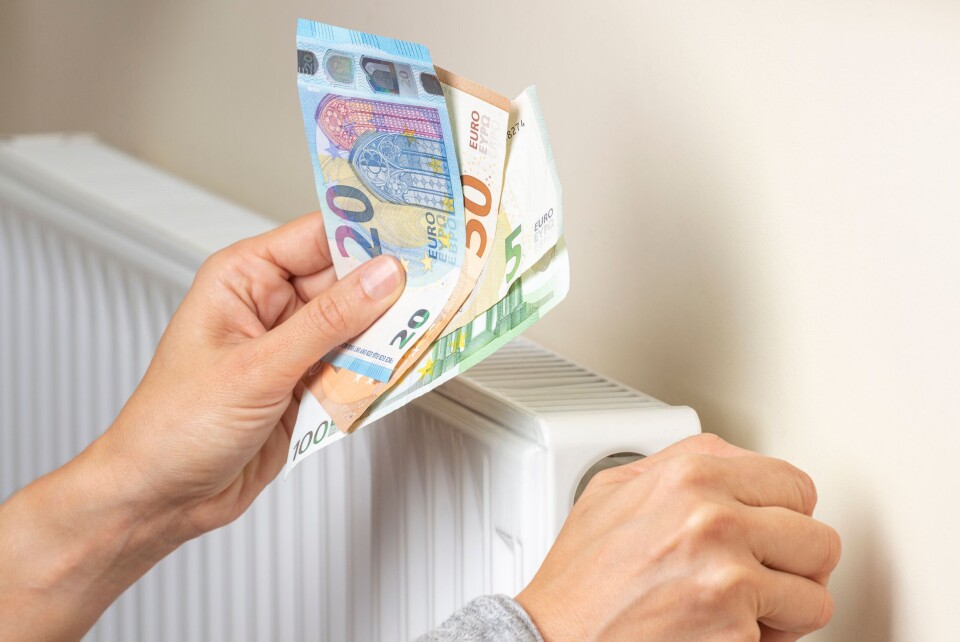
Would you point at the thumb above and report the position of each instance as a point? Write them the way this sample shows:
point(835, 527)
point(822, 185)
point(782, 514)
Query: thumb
point(338, 314)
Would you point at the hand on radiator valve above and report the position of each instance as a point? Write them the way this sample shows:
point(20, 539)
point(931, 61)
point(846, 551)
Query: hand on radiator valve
point(702, 541)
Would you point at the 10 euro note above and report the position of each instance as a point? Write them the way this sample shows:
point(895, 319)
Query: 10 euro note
point(387, 178)
point(479, 118)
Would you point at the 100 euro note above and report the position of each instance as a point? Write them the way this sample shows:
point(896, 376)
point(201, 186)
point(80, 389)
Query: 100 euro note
point(387, 178)
point(479, 118)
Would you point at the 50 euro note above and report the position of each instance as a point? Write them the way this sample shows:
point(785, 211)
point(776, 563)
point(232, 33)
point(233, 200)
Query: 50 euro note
point(387, 177)
point(479, 118)
point(530, 216)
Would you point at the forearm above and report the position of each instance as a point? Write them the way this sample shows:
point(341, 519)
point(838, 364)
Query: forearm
point(70, 543)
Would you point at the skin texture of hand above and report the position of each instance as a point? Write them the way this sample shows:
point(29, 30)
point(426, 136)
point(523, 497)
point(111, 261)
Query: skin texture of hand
point(702, 541)
point(206, 430)
point(210, 424)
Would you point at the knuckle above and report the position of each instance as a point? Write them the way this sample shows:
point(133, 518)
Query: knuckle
point(709, 522)
point(591, 488)
point(711, 443)
point(685, 471)
point(724, 586)
point(329, 315)
point(216, 261)
point(602, 478)
point(225, 261)
point(233, 252)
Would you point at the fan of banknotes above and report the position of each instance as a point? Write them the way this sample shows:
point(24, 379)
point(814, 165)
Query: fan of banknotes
point(453, 179)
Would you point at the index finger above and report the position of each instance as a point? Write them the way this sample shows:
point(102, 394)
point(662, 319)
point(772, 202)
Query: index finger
point(702, 444)
point(298, 247)
point(750, 479)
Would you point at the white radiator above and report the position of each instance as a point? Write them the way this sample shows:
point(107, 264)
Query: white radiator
point(379, 537)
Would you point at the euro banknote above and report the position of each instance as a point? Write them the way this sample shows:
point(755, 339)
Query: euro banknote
point(478, 120)
point(498, 190)
point(530, 216)
point(530, 297)
point(387, 178)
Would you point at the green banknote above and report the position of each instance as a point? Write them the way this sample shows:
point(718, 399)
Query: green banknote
point(531, 296)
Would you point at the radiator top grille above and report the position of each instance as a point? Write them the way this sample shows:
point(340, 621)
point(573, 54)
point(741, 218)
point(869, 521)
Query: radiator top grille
point(530, 381)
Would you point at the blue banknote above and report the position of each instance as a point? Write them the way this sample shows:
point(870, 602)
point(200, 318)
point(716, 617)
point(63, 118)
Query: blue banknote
point(387, 177)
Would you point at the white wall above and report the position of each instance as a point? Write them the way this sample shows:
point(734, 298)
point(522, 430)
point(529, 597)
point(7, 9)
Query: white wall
point(762, 205)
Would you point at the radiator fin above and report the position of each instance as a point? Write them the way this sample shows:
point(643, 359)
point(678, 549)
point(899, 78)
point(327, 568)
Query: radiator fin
point(78, 329)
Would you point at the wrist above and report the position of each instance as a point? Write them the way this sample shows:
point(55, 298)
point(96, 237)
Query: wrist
point(77, 538)
point(556, 620)
point(161, 484)
point(112, 489)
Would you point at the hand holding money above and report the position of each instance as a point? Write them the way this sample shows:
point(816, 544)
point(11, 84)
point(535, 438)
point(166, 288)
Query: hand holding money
point(451, 178)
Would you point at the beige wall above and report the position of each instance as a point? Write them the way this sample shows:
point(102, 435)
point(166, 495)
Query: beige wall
point(762, 204)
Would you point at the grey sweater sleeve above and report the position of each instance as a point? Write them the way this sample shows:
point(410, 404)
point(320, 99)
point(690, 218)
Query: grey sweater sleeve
point(490, 618)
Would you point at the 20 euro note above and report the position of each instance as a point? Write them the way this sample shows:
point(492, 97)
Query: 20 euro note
point(479, 118)
point(387, 178)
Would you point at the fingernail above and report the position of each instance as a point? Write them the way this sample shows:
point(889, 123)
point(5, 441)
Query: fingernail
point(380, 277)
